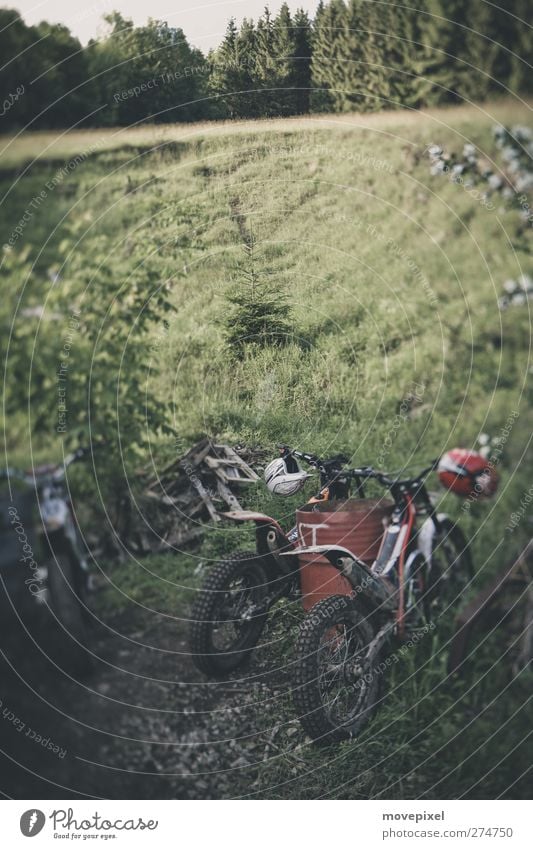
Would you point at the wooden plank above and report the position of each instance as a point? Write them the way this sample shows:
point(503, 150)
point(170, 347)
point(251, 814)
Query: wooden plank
point(228, 496)
point(165, 473)
point(196, 454)
point(234, 468)
point(232, 455)
point(197, 507)
point(198, 485)
point(222, 472)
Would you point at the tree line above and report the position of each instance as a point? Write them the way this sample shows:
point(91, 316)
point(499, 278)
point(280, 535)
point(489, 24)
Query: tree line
point(360, 55)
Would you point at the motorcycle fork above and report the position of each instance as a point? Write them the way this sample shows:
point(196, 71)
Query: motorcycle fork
point(281, 577)
point(409, 521)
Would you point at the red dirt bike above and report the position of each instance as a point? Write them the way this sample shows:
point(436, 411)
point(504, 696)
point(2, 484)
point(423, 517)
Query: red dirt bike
point(232, 607)
point(373, 606)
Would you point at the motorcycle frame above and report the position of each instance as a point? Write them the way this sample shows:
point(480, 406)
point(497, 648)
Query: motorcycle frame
point(273, 545)
point(398, 551)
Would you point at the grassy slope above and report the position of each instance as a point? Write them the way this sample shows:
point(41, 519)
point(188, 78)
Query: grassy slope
point(345, 212)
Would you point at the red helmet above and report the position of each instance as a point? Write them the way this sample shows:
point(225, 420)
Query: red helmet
point(467, 473)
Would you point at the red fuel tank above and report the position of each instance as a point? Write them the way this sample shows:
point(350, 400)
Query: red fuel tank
point(357, 525)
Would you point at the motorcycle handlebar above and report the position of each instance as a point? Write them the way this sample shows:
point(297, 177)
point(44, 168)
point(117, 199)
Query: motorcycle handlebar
point(368, 472)
point(364, 473)
point(312, 459)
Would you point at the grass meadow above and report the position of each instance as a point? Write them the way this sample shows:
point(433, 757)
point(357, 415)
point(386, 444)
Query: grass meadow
point(398, 352)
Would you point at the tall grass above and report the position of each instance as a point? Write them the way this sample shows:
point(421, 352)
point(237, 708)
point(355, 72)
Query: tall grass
point(400, 352)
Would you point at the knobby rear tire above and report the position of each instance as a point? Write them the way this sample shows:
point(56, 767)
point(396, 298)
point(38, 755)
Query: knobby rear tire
point(68, 626)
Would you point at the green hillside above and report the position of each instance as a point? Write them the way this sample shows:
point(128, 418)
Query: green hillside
point(129, 244)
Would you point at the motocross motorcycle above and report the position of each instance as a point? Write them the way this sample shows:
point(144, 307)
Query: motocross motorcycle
point(375, 607)
point(232, 607)
point(44, 567)
point(307, 562)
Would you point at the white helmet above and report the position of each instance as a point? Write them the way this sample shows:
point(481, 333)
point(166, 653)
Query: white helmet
point(282, 482)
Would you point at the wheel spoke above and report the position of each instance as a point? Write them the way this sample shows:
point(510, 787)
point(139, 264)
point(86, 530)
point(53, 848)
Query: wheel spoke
point(340, 670)
point(232, 614)
point(229, 614)
point(334, 696)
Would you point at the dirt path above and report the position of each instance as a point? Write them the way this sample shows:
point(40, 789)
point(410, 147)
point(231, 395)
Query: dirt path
point(143, 724)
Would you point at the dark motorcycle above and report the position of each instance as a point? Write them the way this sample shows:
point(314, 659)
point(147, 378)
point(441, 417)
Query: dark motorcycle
point(232, 607)
point(43, 565)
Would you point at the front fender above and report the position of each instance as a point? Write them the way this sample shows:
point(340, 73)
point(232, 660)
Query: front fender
point(272, 542)
point(252, 516)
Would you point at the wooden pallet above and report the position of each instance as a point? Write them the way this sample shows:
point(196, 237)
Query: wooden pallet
point(196, 486)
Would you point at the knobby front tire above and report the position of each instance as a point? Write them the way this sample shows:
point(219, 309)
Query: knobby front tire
point(229, 614)
point(336, 686)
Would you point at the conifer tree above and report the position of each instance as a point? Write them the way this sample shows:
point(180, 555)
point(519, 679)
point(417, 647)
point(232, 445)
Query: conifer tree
point(320, 100)
point(259, 315)
point(329, 56)
point(512, 36)
point(226, 80)
point(353, 57)
point(456, 76)
point(265, 71)
point(373, 49)
point(301, 67)
point(432, 66)
point(283, 47)
point(401, 55)
point(247, 47)
point(521, 46)
point(481, 50)
point(359, 58)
